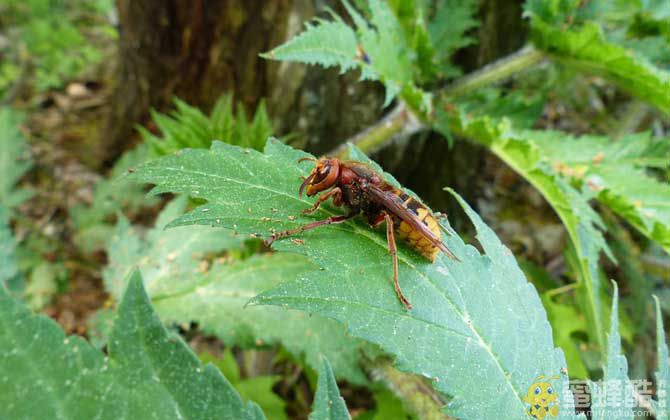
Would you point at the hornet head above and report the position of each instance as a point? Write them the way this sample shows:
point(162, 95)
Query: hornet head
point(324, 175)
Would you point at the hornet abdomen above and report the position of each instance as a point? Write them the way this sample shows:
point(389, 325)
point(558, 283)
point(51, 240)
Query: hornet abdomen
point(413, 236)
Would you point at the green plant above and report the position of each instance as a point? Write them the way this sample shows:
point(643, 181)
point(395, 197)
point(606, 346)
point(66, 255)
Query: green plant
point(50, 39)
point(15, 159)
point(450, 314)
point(72, 380)
point(187, 126)
point(257, 389)
point(392, 47)
point(93, 223)
point(479, 337)
point(574, 37)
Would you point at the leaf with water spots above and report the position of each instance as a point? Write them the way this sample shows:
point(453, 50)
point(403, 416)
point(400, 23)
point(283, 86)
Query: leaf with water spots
point(478, 329)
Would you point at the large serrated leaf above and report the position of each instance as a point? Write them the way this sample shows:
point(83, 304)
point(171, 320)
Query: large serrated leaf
point(326, 43)
point(582, 223)
point(378, 48)
point(149, 373)
point(451, 21)
point(616, 171)
point(587, 49)
point(451, 336)
point(185, 288)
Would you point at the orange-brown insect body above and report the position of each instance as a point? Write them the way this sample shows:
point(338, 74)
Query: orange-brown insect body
point(413, 236)
point(357, 198)
point(361, 190)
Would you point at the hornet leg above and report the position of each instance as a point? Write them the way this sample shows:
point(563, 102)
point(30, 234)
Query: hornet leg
point(336, 192)
point(390, 239)
point(332, 220)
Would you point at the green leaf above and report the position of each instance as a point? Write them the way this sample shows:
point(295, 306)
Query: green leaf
point(451, 20)
point(449, 336)
point(54, 37)
point(187, 126)
point(258, 131)
point(662, 403)
point(328, 404)
point(184, 287)
point(110, 196)
point(389, 407)
point(413, 19)
point(640, 26)
point(385, 45)
point(42, 285)
point(552, 11)
point(323, 42)
point(639, 282)
point(256, 388)
point(522, 108)
point(586, 49)
point(14, 160)
point(434, 30)
point(566, 320)
point(384, 54)
point(614, 371)
point(148, 373)
point(655, 48)
point(166, 258)
point(259, 390)
point(616, 171)
point(99, 326)
point(518, 150)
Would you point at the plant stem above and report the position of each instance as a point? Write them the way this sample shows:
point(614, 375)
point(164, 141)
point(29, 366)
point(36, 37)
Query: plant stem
point(562, 289)
point(417, 396)
point(399, 122)
point(635, 112)
point(496, 71)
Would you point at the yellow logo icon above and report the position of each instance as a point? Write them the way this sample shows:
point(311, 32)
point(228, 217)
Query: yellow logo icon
point(542, 398)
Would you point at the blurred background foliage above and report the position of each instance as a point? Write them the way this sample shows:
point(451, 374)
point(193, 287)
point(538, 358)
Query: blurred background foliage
point(566, 157)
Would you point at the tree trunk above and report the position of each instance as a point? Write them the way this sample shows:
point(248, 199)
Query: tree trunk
point(199, 49)
point(192, 49)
